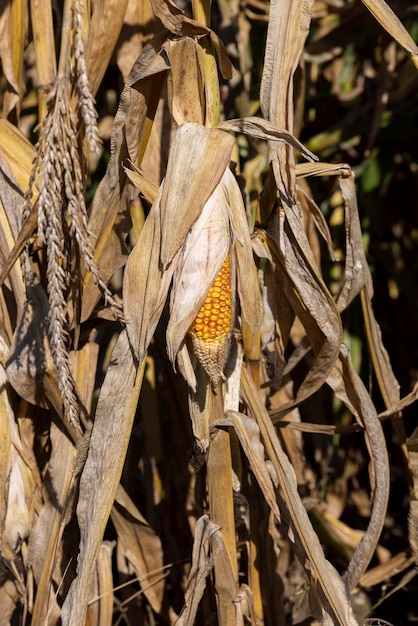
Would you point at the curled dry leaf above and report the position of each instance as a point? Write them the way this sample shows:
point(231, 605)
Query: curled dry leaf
point(202, 564)
point(351, 390)
point(141, 547)
point(260, 128)
point(30, 366)
point(314, 306)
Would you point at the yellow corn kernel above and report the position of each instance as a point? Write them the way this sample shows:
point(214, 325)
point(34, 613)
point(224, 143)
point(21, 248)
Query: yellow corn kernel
point(210, 330)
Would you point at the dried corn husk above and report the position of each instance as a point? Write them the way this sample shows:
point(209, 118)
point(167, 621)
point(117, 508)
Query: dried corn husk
point(221, 229)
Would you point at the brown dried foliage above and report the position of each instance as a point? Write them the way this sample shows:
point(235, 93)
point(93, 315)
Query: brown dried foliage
point(134, 487)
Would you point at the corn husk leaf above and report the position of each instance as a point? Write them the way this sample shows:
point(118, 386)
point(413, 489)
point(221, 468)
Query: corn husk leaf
point(146, 282)
point(185, 85)
point(201, 258)
point(247, 280)
point(188, 184)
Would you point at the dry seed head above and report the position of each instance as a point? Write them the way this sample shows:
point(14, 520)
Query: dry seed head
point(210, 330)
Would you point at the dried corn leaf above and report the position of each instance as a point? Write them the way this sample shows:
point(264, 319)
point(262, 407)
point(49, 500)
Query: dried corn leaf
point(19, 516)
point(22, 239)
point(9, 600)
point(356, 271)
point(351, 390)
point(17, 151)
point(100, 611)
point(109, 221)
point(314, 306)
point(145, 285)
point(309, 205)
point(390, 22)
point(202, 564)
point(300, 530)
point(43, 38)
point(288, 27)
point(5, 445)
point(146, 186)
point(104, 29)
point(101, 474)
point(396, 408)
point(11, 202)
point(84, 368)
point(13, 30)
point(259, 128)
point(141, 547)
point(177, 22)
point(45, 553)
point(384, 571)
point(185, 84)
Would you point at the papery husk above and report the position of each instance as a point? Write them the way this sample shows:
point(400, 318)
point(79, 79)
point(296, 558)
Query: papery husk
point(205, 249)
point(222, 228)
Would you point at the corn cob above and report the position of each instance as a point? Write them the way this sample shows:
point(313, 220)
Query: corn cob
point(210, 330)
